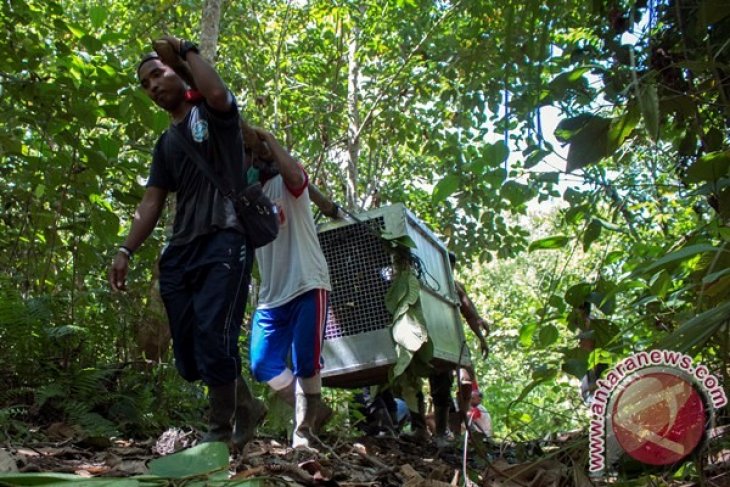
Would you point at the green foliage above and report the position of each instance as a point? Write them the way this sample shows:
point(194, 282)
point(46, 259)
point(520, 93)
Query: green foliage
point(205, 464)
point(641, 234)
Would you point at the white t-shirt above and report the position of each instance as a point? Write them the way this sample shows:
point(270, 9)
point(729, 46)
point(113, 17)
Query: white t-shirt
point(293, 263)
point(480, 420)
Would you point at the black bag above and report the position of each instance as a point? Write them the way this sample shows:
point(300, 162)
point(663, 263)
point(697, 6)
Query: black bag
point(257, 214)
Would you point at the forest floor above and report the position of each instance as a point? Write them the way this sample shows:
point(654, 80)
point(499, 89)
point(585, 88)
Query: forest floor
point(349, 462)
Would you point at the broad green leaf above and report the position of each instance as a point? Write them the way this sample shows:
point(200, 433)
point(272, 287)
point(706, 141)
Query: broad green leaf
point(565, 80)
point(604, 296)
point(514, 192)
point(659, 283)
point(575, 367)
point(608, 225)
point(526, 332)
point(592, 233)
point(554, 242)
point(621, 127)
point(445, 188)
point(396, 292)
point(570, 127)
point(649, 104)
point(604, 332)
point(405, 241)
point(98, 15)
point(496, 153)
point(578, 294)
point(202, 459)
point(710, 278)
point(65, 480)
point(589, 145)
point(575, 362)
point(403, 359)
point(548, 335)
point(678, 256)
point(712, 11)
point(544, 372)
point(709, 167)
point(76, 30)
point(414, 289)
point(693, 333)
point(161, 120)
point(409, 332)
point(535, 158)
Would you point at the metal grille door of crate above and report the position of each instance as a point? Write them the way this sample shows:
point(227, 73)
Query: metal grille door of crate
point(360, 273)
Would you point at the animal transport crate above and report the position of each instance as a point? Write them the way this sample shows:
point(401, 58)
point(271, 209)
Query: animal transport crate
point(358, 345)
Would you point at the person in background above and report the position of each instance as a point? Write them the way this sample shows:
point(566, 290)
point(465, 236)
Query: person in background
point(478, 417)
point(477, 324)
point(441, 381)
point(291, 314)
point(382, 414)
point(206, 265)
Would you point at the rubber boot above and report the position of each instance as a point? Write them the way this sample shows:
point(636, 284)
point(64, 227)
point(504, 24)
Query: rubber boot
point(324, 412)
point(419, 432)
point(287, 394)
point(250, 413)
point(441, 418)
point(305, 418)
point(222, 400)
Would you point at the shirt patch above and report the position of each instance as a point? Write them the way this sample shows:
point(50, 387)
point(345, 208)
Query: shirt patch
point(200, 130)
point(279, 208)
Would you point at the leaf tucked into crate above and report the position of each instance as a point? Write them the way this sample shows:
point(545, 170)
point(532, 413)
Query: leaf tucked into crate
point(409, 332)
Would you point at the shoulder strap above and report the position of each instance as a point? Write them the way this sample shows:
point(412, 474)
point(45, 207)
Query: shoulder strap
point(199, 161)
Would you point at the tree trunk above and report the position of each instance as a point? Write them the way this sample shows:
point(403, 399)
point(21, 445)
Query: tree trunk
point(152, 334)
point(353, 116)
point(209, 29)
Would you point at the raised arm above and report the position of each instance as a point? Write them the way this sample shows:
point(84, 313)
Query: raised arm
point(326, 206)
point(145, 219)
point(205, 77)
point(471, 316)
point(289, 167)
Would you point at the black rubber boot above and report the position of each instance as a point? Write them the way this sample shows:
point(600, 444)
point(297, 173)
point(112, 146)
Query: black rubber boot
point(222, 400)
point(418, 432)
point(441, 431)
point(250, 413)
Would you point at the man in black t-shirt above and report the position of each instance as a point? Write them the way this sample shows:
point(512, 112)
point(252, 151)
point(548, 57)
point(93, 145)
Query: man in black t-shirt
point(206, 267)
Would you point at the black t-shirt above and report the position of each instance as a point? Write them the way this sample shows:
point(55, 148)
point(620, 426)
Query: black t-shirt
point(201, 208)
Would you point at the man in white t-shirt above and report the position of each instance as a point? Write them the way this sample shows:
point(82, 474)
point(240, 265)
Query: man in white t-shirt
point(293, 299)
point(478, 417)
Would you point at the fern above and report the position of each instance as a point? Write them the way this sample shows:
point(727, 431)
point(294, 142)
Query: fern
point(89, 383)
point(95, 424)
point(49, 391)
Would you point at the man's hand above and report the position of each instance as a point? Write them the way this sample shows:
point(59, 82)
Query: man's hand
point(484, 327)
point(289, 168)
point(254, 138)
point(168, 48)
point(483, 346)
point(118, 272)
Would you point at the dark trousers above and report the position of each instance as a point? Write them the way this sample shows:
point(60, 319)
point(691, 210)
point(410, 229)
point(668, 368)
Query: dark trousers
point(204, 285)
point(441, 382)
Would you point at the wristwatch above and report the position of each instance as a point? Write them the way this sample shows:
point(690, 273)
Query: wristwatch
point(186, 47)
